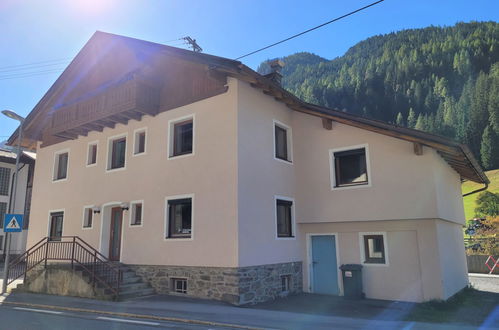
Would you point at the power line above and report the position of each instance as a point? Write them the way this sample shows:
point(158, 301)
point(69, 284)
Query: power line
point(35, 63)
point(30, 74)
point(32, 67)
point(312, 29)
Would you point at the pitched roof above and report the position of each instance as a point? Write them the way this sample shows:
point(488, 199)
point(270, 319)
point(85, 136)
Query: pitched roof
point(457, 155)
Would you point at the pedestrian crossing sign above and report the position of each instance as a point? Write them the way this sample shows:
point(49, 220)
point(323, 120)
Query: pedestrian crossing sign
point(13, 223)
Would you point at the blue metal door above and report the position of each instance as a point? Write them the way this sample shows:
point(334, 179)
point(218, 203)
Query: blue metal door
point(324, 265)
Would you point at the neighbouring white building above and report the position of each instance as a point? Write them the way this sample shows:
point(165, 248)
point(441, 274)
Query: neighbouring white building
point(23, 196)
point(211, 180)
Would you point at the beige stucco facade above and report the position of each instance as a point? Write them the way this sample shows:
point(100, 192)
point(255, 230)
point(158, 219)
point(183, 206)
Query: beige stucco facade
point(234, 180)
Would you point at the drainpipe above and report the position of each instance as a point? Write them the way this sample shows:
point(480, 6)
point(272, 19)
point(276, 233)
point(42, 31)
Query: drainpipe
point(478, 190)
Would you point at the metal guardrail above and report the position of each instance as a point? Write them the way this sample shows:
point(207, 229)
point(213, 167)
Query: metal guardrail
point(79, 253)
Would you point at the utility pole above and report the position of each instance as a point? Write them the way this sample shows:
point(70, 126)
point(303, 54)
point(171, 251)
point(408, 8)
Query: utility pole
point(192, 42)
point(8, 237)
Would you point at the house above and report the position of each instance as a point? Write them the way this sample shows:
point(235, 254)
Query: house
point(210, 180)
point(23, 195)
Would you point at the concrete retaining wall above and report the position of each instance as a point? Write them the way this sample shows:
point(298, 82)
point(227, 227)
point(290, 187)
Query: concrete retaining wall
point(61, 280)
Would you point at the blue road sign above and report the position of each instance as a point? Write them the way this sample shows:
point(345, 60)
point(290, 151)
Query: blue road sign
point(13, 223)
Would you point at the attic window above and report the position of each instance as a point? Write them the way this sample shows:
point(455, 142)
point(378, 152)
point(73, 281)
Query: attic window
point(349, 167)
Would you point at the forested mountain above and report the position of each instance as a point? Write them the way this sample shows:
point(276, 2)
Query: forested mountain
point(443, 80)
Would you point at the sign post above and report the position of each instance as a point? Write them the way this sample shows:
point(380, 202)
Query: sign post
point(13, 223)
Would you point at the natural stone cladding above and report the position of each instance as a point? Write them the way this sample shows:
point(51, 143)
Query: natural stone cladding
point(238, 285)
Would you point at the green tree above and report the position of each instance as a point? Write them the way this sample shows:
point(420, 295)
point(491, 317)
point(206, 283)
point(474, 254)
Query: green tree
point(400, 119)
point(489, 149)
point(487, 204)
point(411, 118)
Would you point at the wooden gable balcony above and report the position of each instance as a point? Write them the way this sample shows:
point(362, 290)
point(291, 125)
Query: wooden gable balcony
point(130, 99)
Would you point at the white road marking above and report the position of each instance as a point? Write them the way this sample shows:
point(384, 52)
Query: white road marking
point(126, 321)
point(37, 310)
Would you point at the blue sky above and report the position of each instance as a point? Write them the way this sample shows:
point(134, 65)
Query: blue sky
point(43, 30)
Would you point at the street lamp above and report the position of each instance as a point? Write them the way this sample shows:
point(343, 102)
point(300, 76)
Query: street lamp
point(20, 119)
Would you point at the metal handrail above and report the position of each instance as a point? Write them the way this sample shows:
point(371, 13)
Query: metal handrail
point(77, 251)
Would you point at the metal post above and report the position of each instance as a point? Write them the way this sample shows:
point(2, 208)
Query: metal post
point(8, 236)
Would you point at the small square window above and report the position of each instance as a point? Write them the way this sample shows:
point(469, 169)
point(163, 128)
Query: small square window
point(140, 142)
point(180, 218)
point(117, 153)
point(350, 167)
point(285, 283)
point(61, 166)
point(92, 154)
point(179, 285)
point(181, 138)
point(136, 214)
point(374, 249)
point(284, 214)
point(88, 217)
point(282, 142)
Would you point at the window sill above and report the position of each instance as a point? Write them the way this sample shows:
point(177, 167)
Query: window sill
point(352, 186)
point(117, 169)
point(375, 264)
point(139, 154)
point(181, 155)
point(286, 238)
point(60, 180)
point(286, 161)
point(179, 239)
point(136, 225)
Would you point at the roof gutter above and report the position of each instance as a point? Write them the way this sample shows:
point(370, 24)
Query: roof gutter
point(478, 190)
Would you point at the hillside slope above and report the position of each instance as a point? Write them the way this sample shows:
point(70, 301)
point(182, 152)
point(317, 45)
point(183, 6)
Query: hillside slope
point(470, 201)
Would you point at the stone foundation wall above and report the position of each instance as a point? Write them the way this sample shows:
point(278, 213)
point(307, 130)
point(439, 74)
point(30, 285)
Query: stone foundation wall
point(238, 285)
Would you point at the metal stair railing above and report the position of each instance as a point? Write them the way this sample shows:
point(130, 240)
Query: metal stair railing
point(79, 253)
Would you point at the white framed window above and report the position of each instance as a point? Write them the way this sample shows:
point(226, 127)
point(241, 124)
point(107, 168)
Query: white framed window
point(116, 152)
point(179, 285)
point(139, 141)
point(136, 213)
point(350, 167)
point(179, 217)
point(284, 217)
point(61, 165)
point(283, 142)
point(88, 216)
point(181, 137)
point(92, 150)
point(373, 248)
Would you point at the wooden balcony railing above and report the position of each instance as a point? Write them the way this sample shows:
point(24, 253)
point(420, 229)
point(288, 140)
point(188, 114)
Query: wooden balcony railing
point(129, 99)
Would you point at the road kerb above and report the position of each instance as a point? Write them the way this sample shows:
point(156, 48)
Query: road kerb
point(130, 315)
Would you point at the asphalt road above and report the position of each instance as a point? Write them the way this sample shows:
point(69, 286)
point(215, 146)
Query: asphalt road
point(22, 318)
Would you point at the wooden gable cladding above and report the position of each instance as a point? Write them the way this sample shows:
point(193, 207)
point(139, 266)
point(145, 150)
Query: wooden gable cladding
point(187, 82)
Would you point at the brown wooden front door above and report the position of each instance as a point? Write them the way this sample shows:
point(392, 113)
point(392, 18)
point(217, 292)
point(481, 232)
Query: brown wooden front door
point(115, 233)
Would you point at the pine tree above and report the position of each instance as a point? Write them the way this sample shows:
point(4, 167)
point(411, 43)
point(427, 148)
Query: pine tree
point(421, 123)
point(490, 149)
point(400, 119)
point(411, 118)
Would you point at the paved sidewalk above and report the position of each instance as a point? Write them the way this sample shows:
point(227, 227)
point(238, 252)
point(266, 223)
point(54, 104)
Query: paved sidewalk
point(195, 309)
point(485, 282)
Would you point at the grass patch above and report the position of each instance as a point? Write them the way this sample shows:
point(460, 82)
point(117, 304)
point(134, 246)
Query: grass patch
point(469, 306)
point(470, 201)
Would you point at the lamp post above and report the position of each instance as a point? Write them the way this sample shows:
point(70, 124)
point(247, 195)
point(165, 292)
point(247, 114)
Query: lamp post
point(20, 119)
